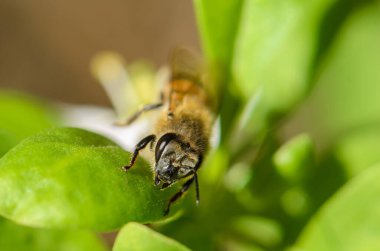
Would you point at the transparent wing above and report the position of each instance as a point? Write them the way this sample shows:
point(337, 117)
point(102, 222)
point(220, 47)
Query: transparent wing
point(185, 63)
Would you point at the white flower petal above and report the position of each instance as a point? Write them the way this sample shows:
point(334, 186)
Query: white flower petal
point(101, 120)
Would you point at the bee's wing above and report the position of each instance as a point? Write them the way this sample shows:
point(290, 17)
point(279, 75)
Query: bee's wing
point(185, 63)
point(127, 87)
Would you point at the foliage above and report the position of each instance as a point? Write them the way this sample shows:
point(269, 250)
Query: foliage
point(73, 178)
point(134, 236)
point(21, 116)
point(298, 162)
point(349, 220)
point(19, 238)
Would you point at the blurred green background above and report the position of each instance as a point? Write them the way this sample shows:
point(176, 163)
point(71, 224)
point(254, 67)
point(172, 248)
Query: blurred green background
point(298, 163)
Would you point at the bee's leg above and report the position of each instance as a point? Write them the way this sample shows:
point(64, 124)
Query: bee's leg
point(178, 195)
point(141, 145)
point(196, 188)
point(199, 163)
point(137, 114)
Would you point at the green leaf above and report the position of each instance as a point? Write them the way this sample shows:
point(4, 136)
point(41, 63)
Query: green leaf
point(358, 150)
point(73, 178)
point(137, 237)
point(22, 116)
point(218, 23)
point(294, 157)
point(19, 238)
point(275, 47)
point(7, 141)
point(264, 231)
point(346, 96)
point(350, 219)
point(267, 51)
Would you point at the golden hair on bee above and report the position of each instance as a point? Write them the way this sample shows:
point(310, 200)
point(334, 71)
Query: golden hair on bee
point(181, 133)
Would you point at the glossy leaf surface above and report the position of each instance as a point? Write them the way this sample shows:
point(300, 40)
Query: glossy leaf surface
point(73, 178)
point(14, 237)
point(137, 237)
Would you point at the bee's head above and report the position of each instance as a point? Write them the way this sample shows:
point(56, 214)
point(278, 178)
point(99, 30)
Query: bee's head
point(174, 159)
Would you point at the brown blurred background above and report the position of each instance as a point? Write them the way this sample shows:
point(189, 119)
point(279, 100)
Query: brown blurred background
point(46, 46)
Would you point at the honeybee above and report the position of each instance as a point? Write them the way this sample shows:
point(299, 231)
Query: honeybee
point(181, 134)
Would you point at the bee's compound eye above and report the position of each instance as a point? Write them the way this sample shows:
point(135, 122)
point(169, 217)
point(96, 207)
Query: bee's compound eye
point(162, 143)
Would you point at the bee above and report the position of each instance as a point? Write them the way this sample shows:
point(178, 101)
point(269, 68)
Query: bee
point(181, 133)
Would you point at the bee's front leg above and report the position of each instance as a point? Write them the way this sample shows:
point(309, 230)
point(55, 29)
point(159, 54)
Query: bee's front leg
point(141, 145)
point(178, 195)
